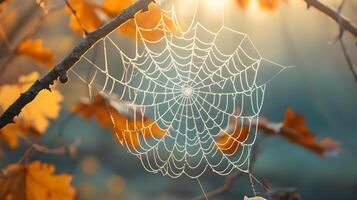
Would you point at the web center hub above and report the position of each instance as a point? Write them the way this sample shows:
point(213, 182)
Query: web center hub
point(187, 91)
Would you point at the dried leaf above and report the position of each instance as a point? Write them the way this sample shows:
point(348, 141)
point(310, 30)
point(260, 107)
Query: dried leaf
point(109, 113)
point(34, 117)
point(35, 50)
point(35, 181)
point(253, 198)
point(294, 128)
point(230, 142)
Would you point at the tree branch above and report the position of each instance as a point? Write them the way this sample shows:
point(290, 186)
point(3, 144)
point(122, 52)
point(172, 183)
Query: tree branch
point(334, 14)
point(60, 70)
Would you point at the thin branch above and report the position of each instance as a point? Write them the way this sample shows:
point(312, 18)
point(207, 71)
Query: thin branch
point(74, 12)
point(348, 59)
point(333, 14)
point(11, 55)
point(226, 187)
point(343, 46)
point(60, 70)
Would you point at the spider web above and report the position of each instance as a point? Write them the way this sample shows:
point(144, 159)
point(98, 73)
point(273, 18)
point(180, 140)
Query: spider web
point(193, 84)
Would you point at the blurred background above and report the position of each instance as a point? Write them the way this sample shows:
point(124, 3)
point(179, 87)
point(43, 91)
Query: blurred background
point(320, 87)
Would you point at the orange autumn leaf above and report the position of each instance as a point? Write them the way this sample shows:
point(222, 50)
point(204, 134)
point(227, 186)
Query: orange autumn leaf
point(265, 5)
point(147, 20)
point(294, 128)
point(268, 5)
point(34, 118)
point(87, 13)
point(35, 181)
point(243, 4)
point(10, 133)
point(230, 142)
point(35, 50)
point(113, 7)
point(106, 111)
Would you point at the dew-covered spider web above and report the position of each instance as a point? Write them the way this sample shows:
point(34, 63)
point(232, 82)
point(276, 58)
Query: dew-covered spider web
point(201, 88)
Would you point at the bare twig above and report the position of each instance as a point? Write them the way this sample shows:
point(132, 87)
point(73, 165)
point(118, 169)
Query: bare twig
point(11, 55)
point(344, 25)
point(13, 52)
point(60, 70)
point(343, 46)
point(348, 59)
point(74, 12)
point(335, 15)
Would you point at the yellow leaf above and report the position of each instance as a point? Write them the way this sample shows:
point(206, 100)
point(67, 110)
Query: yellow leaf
point(10, 133)
point(243, 4)
point(86, 12)
point(35, 50)
point(35, 181)
point(89, 16)
point(113, 7)
point(44, 107)
point(253, 198)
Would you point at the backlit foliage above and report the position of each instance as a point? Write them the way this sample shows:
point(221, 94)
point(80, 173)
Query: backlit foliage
point(229, 143)
point(107, 113)
point(253, 198)
point(292, 128)
point(35, 181)
point(34, 118)
point(265, 5)
point(35, 50)
point(91, 17)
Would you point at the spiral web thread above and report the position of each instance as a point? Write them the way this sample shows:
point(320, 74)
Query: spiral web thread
point(193, 85)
